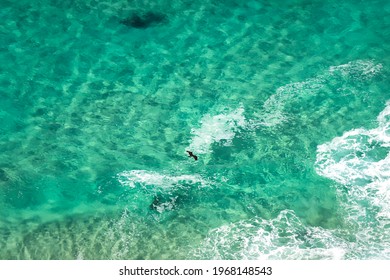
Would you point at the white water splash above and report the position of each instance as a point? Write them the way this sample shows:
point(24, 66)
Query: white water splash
point(359, 160)
point(284, 237)
point(217, 128)
point(145, 178)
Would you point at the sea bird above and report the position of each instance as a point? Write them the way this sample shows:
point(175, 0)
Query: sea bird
point(192, 155)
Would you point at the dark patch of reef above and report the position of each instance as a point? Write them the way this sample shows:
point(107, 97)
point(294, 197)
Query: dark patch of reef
point(143, 20)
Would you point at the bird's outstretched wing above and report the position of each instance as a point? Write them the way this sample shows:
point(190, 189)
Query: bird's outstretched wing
point(192, 155)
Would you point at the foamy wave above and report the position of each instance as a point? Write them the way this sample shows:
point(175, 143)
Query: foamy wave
point(359, 69)
point(145, 178)
point(284, 237)
point(216, 129)
point(273, 113)
point(359, 156)
point(360, 160)
point(273, 108)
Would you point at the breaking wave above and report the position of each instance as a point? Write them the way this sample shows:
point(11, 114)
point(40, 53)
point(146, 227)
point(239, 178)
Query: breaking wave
point(273, 111)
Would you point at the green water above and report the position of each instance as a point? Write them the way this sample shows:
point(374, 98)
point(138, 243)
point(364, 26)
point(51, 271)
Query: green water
point(283, 102)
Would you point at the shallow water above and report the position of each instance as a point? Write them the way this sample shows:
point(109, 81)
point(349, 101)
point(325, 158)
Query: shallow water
point(286, 104)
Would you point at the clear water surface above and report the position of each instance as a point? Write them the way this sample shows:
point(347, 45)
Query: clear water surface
point(286, 104)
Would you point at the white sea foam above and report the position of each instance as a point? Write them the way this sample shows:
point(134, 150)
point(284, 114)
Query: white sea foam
point(284, 237)
point(217, 128)
point(145, 179)
point(359, 69)
point(273, 111)
point(273, 108)
point(347, 159)
point(360, 161)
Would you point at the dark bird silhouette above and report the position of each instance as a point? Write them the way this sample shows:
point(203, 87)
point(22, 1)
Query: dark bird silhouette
point(192, 155)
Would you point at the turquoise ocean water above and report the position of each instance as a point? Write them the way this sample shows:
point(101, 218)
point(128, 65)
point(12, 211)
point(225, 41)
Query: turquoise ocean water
point(286, 104)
